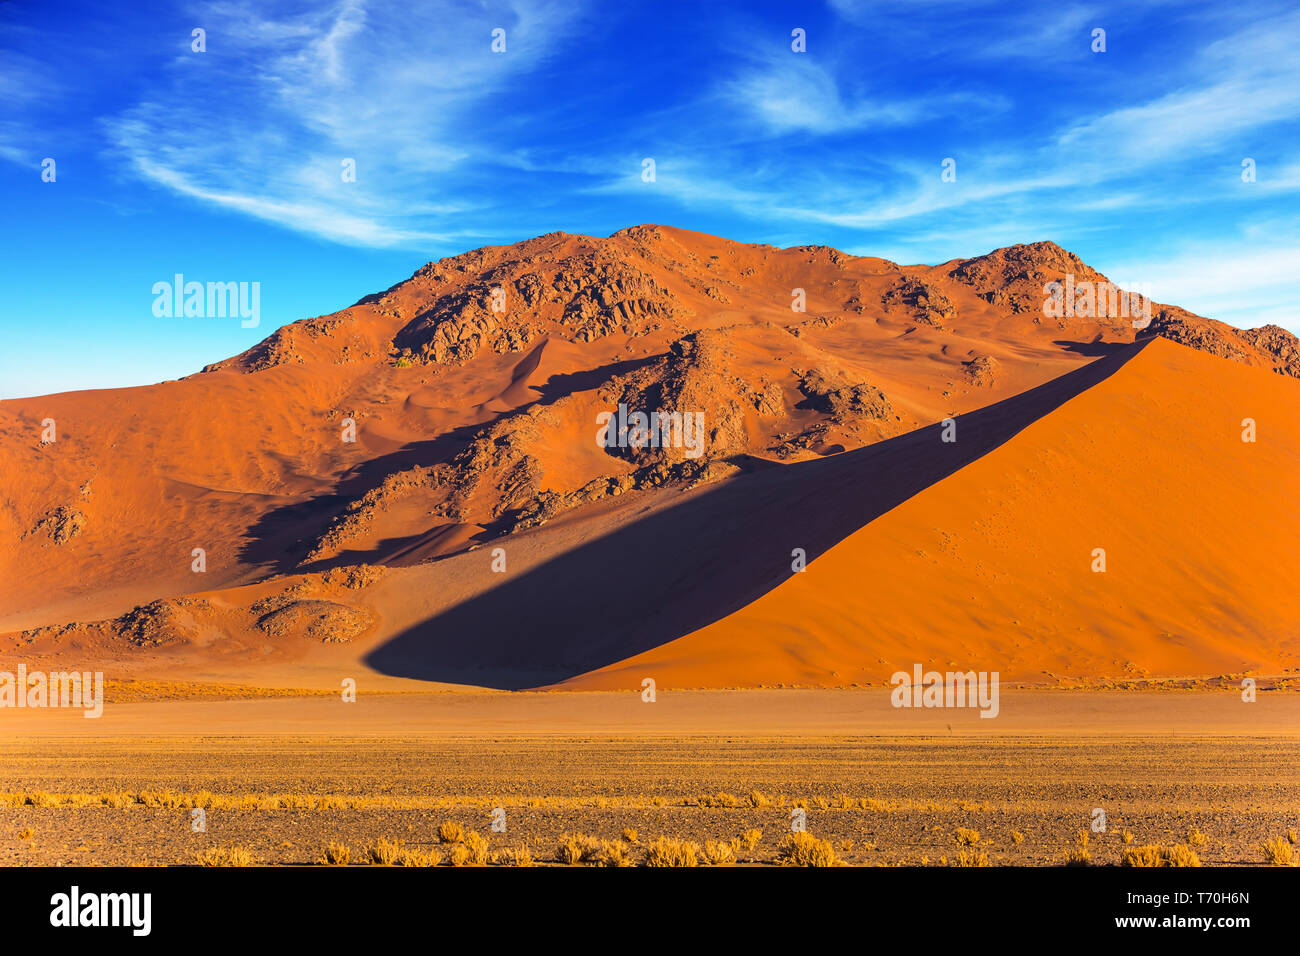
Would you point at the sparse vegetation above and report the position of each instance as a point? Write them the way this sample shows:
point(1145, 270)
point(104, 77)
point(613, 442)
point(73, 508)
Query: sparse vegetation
point(513, 856)
point(575, 849)
point(967, 837)
point(1154, 854)
point(630, 835)
point(1195, 838)
point(971, 858)
point(668, 852)
point(1278, 851)
point(717, 854)
point(804, 849)
point(449, 832)
point(1017, 837)
point(336, 854)
point(385, 852)
point(225, 856)
point(410, 856)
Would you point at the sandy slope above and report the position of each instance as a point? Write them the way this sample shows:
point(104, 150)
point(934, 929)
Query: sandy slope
point(991, 568)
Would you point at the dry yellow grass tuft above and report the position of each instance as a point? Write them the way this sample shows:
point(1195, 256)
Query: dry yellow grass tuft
point(630, 835)
point(1081, 839)
point(758, 799)
point(1078, 856)
point(1195, 838)
point(385, 851)
point(967, 837)
point(26, 833)
point(1278, 851)
point(472, 850)
point(1017, 837)
point(717, 854)
point(1126, 838)
point(725, 800)
point(804, 849)
point(1153, 854)
point(971, 858)
point(516, 856)
point(575, 848)
point(449, 832)
point(668, 852)
point(225, 856)
point(410, 856)
point(336, 854)
point(747, 841)
point(613, 854)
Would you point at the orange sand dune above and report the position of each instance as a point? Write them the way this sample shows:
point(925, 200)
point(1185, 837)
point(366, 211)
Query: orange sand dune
point(991, 568)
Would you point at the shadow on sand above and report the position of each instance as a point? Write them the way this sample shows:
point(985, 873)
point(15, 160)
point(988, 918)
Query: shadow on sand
point(685, 567)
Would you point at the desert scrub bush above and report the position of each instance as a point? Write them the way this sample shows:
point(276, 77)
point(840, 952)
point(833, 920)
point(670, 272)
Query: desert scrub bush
point(336, 854)
point(757, 799)
point(575, 848)
point(804, 849)
point(449, 832)
point(668, 852)
point(516, 856)
point(472, 850)
point(1017, 837)
point(1081, 839)
point(225, 856)
point(1195, 838)
point(385, 851)
point(1153, 854)
point(630, 835)
point(726, 800)
point(971, 858)
point(1277, 851)
point(716, 854)
point(1078, 856)
point(613, 854)
point(967, 837)
point(402, 362)
point(410, 856)
point(747, 841)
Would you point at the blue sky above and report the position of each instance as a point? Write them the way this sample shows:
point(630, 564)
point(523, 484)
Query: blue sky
point(225, 165)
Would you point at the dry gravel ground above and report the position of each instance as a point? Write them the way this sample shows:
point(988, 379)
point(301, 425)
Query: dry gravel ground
point(1235, 791)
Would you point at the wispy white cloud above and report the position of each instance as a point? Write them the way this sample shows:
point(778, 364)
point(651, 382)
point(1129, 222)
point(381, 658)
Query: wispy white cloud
point(262, 122)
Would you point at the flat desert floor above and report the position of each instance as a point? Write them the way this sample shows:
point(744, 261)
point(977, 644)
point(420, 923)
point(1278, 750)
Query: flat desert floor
point(607, 775)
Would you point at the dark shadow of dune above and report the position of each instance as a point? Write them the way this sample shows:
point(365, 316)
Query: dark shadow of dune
point(1094, 348)
point(685, 567)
